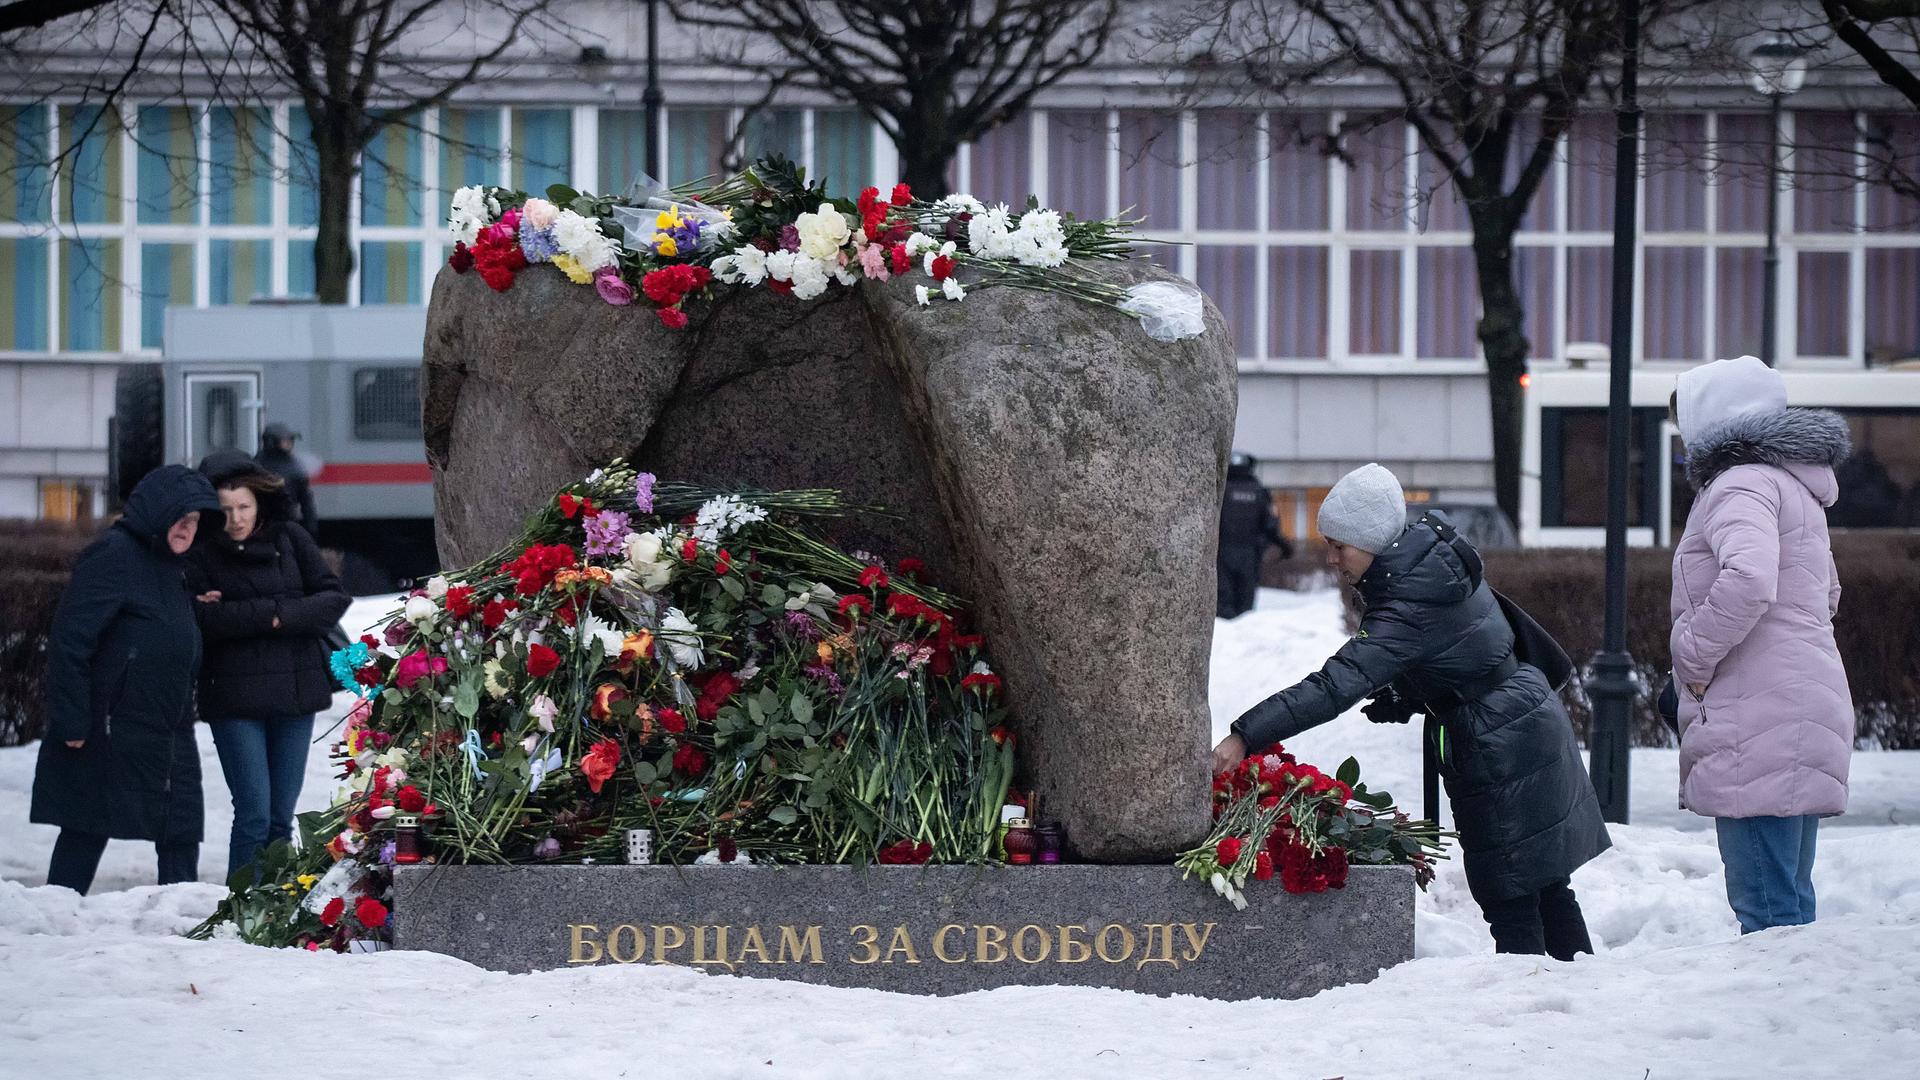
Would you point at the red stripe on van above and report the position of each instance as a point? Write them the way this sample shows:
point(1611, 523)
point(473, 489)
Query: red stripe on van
point(396, 472)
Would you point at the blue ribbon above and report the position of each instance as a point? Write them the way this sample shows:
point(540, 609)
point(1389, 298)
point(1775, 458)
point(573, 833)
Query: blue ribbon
point(539, 768)
point(689, 795)
point(475, 753)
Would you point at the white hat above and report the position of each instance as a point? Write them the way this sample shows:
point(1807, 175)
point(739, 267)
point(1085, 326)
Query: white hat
point(1366, 509)
point(1712, 394)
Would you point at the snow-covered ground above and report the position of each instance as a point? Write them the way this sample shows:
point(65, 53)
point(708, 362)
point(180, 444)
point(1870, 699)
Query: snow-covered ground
point(1674, 991)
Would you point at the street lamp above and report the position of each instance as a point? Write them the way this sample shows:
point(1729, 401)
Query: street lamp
point(652, 99)
point(1611, 685)
point(1779, 68)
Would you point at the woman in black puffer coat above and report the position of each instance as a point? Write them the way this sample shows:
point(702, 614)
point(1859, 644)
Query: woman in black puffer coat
point(1434, 640)
point(266, 602)
point(119, 760)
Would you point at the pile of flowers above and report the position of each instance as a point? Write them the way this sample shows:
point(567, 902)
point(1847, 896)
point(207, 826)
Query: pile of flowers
point(768, 227)
point(694, 662)
point(1275, 815)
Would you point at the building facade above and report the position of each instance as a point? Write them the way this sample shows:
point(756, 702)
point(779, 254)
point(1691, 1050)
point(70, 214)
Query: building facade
point(1349, 285)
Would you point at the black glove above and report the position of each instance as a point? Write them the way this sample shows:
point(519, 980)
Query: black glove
point(1389, 709)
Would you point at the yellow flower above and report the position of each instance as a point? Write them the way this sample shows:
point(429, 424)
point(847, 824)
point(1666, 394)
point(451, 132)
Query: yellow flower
point(288, 887)
point(668, 219)
point(576, 273)
point(665, 245)
point(825, 652)
point(307, 881)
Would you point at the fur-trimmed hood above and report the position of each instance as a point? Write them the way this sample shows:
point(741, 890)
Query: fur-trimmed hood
point(1805, 442)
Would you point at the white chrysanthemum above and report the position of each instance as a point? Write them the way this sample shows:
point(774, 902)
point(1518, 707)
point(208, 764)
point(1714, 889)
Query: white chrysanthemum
point(596, 253)
point(822, 233)
point(1043, 223)
point(780, 265)
point(727, 269)
point(960, 203)
point(681, 638)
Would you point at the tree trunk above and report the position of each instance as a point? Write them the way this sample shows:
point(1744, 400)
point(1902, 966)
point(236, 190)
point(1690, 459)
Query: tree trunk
point(1503, 338)
point(333, 247)
point(923, 166)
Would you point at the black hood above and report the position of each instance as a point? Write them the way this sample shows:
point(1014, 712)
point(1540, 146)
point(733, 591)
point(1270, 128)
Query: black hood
point(163, 497)
point(1422, 568)
point(1781, 437)
point(225, 467)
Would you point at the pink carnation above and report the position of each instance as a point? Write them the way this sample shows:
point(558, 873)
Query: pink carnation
point(416, 666)
point(873, 262)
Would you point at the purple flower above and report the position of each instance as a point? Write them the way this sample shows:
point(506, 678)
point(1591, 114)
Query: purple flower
point(538, 245)
point(612, 287)
point(643, 493)
point(547, 849)
point(789, 238)
point(387, 852)
point(607, 532)
point(825, 674)
point(396, 632)
point(802, 623)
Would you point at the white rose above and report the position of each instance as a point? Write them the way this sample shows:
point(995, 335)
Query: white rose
point(822, 233)
point(421, 610)
point(437, 587)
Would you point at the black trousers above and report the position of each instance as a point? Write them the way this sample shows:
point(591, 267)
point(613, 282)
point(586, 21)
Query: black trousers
point(76, 856)
point(1237, 581)
point(1547, 923)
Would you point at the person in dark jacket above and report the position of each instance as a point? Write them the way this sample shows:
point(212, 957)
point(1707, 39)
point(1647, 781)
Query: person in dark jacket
point(1247, 526)
point(266, 601)
point(276, 454)
point(1433, 639)
point(119, 760)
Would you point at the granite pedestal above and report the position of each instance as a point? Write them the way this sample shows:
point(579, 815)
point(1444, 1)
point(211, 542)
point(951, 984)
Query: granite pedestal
point(921, 930)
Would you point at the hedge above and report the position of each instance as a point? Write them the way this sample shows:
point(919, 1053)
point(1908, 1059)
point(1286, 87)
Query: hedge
point(34, 560)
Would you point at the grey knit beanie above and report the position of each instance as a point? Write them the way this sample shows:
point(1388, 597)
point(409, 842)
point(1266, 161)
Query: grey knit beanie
point(1366, 509)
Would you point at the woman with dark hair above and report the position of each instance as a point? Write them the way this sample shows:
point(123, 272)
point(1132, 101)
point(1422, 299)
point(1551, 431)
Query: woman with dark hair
point(266, 603)
point(119, 760)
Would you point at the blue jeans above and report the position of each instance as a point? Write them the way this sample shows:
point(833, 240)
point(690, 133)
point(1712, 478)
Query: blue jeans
point(1769, 863)
point(265, 762)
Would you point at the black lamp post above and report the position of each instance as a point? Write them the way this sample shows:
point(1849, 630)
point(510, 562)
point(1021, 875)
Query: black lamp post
point(1779, 68)
point(1611, 685)
point(652, 99)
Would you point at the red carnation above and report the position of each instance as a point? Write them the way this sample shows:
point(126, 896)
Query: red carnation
point(873, 576)
point(567, 613)
point(1227, 851)
point(853, 603)
point(535, 567)
point(689, 761)
point(689, 550)
point(370, 913)
point(541, 661)
point(462, 259)
point(599, 763)
point(869, 200)
point(410, 799)
point(495, 613)
point(672, 721)
point(460, 601)
point(1262, 866)
point(569, 505)
point(722, 562)
point(905, 853)
point(673, 318)
point(902, 195)
point(942, 267)
point(897, 255)
point(988, 683)
point(912, 567)
point(903, 606)
point(330, 915)
point(783, 288)
point(719, 686)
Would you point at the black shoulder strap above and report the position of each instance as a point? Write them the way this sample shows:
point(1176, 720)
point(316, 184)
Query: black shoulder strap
point(1451, 537)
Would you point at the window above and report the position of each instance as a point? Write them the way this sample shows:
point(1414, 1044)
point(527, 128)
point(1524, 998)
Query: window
point(469, 150)
point(1230, 276)
point(1377, 182)
point(23, 300)
point(1676, 174)
point(999, 165)
point(1740, 276)
point(90, 295)
point(241, 142)
point(1373, 303)
point(1077, 144)
point(66, 500)
point(1228, 157)
point(386, 404)
point(1823, 164)
point(302, 277)
point(1449, 304)
point(1740, 152)
point(542, 148)
point(1297, 302)
point(1590, 294)
point(1880, 483)
point(842, 151)
point(1298, 176)
point(90, 187)
point(1150, 167)
point(390, 273)
point(1590, 167)
point(1573, 467)
point(239, 270)
point(166, 279)
point(1673, 322)
point(1824, 291)
point(774, 131)
point(169, 166)
point(24, 187)
point(1893, 315)
point(303, 170)
point(391, 175)
point(623, 148)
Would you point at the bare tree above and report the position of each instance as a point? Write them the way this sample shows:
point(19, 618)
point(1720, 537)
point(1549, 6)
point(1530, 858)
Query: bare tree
point(355, 66)
point(932, 73)
point(1489, 86)
point(27, 14)
point(1885, 34)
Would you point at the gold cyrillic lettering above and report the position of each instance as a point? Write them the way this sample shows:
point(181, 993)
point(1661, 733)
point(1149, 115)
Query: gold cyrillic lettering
point(902, 942)
point(719, 945)
point(755, 943)
point(940, 944)
point(661, 946)
point(1197, 942)
point(872, 944)
point(639, 939)
point(803, 949)
point(1072, 949)
point(1040, 934)
point(581, 943)
point(989, 944)
point(1126, 938)
point(1164, 931)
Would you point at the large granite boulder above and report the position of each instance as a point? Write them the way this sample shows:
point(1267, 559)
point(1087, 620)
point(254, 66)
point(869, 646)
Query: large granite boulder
point(1044, 457)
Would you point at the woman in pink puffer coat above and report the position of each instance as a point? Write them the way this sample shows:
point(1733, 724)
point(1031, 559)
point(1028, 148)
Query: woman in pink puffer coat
point(1766, 719)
